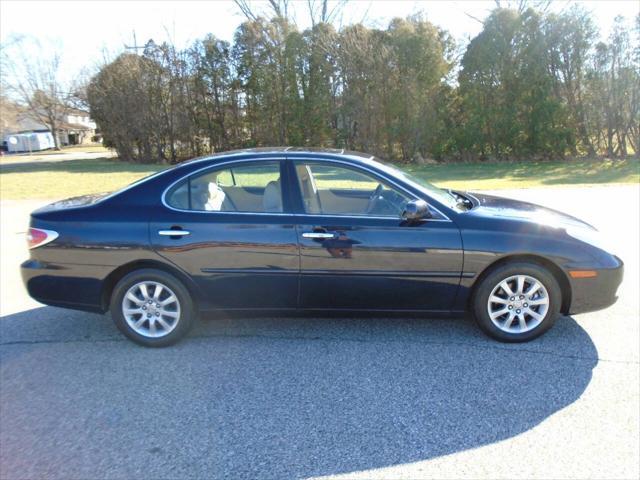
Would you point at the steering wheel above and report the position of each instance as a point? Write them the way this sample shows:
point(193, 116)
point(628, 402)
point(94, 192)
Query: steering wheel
point(374, 198)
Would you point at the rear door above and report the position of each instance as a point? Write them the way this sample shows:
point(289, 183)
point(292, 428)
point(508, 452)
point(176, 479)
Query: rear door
point(356, 253)
point(229, 228)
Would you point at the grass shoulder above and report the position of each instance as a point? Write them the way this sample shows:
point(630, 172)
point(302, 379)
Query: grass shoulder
point(33, 179)
point(508, 175)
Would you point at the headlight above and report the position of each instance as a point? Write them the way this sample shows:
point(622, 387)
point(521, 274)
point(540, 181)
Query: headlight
point(593, 238)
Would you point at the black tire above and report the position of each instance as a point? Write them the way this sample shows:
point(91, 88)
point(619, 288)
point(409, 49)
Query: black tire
point(185, 318)
point(481, 295)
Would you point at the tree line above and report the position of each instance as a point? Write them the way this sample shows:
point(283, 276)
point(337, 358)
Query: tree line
point(530, 85)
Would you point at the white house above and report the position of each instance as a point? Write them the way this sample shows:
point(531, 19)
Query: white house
point(74, 128)
point(77, 128)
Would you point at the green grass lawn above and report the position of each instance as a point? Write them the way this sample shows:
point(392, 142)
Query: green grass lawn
point(34, 179)
point(493, 176)
point(57, 180)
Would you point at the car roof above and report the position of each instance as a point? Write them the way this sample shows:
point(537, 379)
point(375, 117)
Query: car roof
point(302, 151)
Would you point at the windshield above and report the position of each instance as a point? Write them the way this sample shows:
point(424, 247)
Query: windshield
point(443, 196)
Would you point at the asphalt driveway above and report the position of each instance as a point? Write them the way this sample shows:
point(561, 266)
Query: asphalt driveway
point(314, 397)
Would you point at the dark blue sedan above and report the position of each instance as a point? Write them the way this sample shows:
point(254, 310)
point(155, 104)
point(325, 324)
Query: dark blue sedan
point(287, 230)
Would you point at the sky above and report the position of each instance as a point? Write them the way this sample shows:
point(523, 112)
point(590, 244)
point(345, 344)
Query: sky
point(86, 31)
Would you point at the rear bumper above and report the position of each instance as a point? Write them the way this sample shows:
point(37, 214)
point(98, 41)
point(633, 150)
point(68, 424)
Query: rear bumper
point(590, 294)
point(65, 285)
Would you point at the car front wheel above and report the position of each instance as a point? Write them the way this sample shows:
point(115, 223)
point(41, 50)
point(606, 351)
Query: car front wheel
point(517, 302)
point(152, 308)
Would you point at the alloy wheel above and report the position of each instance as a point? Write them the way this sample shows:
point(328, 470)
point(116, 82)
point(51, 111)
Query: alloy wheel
point(151, 309)
point(518, 304)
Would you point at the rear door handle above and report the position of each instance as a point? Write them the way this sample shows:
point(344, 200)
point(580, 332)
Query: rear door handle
point(174, 233)
point(318, 235)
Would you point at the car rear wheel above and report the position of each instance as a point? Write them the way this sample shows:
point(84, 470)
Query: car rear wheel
point(517, 302)
point(152, 308)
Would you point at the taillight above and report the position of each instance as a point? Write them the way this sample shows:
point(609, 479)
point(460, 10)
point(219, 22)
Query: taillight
point(36, 237)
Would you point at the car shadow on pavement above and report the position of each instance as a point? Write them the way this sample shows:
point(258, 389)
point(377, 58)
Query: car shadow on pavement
point(270, 398)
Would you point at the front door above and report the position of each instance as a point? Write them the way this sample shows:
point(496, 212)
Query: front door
point(228, 228)
point(357, 254)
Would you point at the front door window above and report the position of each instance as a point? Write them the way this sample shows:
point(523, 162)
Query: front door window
point(329, 189)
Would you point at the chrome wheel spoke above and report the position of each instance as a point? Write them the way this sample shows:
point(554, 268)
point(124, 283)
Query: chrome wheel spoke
point(163, 323)
point(539, 301)
point(157, 291)
point(145, 311)
point(499, 313)
point(520, 282)
point(534, 288)
point(139, 322)
point(494, 299)
point(144, 291)
point(509, 321)
point(170, 299)
point(507, 289)
point(535, 315)
point(522, 322)
point(131, 297)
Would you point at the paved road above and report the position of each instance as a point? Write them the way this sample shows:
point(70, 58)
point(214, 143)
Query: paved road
point(300, 398)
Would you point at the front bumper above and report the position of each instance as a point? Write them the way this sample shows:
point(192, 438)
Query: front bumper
point(590, 294)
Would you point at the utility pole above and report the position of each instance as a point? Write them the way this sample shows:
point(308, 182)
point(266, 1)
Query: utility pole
point(135, 46)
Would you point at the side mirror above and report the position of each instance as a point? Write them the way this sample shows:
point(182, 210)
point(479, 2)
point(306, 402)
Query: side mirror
point(416, 210)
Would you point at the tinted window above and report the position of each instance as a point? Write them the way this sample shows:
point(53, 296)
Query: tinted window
point(237, 188)
point(335, 190)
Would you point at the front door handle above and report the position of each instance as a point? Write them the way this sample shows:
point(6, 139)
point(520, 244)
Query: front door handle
point(324, 235)
point(173, 233)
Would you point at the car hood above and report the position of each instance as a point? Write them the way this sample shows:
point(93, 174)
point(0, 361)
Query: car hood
point(506, 208)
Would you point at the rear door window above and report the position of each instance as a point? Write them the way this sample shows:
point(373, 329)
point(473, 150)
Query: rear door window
point(247, 188)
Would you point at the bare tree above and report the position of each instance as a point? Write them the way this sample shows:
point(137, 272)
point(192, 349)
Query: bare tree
point(319, 10)
point(38, 87)
point(246, 9)
point(9, 110)
point(9, 113)
point(521, 5)
point(280, 9)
